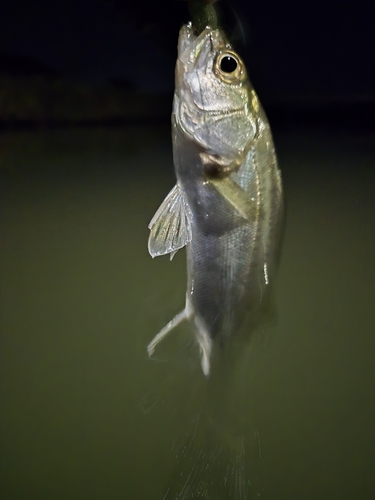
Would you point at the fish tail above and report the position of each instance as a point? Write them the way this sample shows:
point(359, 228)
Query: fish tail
point(209, 466)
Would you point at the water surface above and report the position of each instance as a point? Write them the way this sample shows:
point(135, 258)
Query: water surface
point(85, 415)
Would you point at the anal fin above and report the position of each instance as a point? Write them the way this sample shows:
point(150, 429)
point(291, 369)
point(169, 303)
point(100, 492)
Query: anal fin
point(179, 318)
point(202, 336)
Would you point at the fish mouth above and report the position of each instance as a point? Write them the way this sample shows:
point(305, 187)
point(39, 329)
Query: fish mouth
point(195, 50)
point(196, 54)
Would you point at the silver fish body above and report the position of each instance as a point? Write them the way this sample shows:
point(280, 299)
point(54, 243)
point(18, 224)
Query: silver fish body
point(227, 204)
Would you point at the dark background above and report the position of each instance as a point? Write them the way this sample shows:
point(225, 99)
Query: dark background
point(309, 61)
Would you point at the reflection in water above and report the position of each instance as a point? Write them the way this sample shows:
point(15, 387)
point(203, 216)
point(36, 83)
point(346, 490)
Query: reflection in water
point(85, 414)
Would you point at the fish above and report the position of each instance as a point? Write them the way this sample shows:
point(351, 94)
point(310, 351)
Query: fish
point(226, 207)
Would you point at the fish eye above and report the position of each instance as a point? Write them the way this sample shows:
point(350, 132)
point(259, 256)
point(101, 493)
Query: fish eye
point(228, 64)
point(229, 67)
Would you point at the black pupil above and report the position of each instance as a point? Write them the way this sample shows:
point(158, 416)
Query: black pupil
point(228, 64)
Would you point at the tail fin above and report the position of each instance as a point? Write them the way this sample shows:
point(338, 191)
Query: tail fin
point(207, 466)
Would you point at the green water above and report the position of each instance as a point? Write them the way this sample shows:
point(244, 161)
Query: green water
point(84, 414)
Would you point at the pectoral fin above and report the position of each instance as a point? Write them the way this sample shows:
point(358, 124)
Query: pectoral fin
point(236, 196)
point(171, 225)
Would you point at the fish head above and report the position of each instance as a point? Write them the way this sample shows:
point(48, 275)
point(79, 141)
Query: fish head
point(214, 103)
